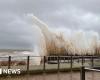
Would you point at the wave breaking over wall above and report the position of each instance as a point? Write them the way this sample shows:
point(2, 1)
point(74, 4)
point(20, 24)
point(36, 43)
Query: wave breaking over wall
point(67, 41)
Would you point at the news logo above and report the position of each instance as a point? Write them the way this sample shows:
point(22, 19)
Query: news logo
point(9, 71)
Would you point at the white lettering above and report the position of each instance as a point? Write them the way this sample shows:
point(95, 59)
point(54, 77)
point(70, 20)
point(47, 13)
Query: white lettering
point(10, 71)
point(5, 71)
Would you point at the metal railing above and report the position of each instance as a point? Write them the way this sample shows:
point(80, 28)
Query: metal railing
point(58, 60)
point(83, 70)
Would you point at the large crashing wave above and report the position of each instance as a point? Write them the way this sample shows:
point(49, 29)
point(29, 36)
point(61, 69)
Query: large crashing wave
point(66, 41)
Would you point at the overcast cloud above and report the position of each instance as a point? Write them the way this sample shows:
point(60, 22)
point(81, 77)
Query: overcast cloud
point(16, 29)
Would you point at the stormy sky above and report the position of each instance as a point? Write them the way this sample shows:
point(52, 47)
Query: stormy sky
point(16, 28)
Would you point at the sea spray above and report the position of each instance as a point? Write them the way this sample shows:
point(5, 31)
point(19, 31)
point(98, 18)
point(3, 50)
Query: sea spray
point(73, 42)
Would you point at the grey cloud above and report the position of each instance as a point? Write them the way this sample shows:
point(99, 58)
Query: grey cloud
point(17, 32)
point(16, 29)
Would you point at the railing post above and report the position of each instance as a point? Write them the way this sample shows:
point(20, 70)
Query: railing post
point(82, 73)
point(71, 62)
point(71, 66)
point(78, 59)
point(64, 58)
point(92, 61)
point(82, 60)
point(44, 64)
point(9, 62)
point(58, 63)
point(28, 60)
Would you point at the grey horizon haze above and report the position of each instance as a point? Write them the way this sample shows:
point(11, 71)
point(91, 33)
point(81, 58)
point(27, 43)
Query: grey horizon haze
point(16, 29)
